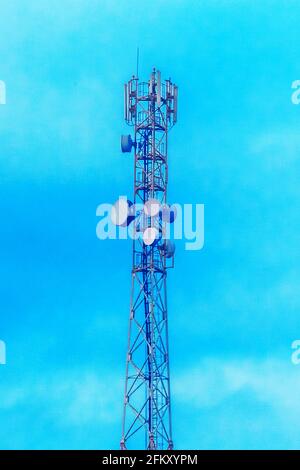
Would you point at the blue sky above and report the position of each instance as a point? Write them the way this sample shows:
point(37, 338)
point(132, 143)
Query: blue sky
point(64, 295)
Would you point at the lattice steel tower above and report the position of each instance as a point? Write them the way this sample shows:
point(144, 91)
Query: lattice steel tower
point(151, 108)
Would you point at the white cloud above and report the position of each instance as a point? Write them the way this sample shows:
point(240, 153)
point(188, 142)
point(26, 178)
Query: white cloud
point(67, 398)
point(272, 382)
point(279, 148)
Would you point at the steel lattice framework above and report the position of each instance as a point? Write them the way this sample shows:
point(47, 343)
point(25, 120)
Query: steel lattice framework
point(151, 108)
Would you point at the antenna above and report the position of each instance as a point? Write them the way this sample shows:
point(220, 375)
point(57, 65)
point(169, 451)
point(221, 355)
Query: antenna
point(175, 103)
point(137, 61)
point(158, 91)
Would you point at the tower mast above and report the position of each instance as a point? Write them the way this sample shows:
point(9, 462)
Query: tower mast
point(151, 108)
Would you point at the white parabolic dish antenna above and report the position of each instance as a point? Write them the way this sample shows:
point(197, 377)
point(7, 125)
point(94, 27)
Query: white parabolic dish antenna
point(120, 213)
point(152, 207)
point(150, 235)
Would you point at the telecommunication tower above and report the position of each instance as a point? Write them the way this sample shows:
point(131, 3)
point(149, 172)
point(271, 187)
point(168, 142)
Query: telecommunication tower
point(151, 108)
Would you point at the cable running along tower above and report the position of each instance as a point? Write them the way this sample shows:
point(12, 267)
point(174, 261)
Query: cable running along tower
point(151, 108)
